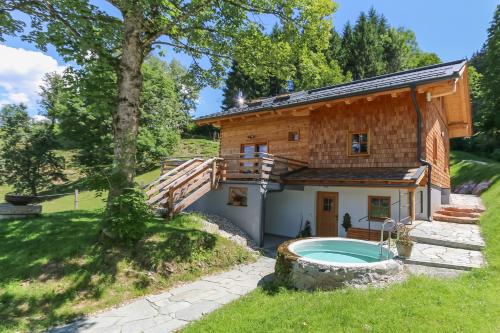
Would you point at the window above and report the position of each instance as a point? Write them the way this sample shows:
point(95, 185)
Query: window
point(358, 144)
point(327, 204)
point(379, 208)
point(421, 202)
point(293, 136)
point(254, 149)
point(237, 196)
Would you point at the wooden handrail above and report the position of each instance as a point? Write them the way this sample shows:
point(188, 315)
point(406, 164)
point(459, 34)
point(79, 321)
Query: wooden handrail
point(170, 172)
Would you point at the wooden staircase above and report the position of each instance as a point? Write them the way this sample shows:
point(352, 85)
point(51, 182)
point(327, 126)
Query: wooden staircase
point(178, 188)
point(458, 215)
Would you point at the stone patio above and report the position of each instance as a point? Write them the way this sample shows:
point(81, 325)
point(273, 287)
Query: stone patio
point(175, 308)
point(445, 257)
point(462, 236)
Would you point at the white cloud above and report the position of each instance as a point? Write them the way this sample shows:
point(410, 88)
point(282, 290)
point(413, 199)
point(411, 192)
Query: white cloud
point(21, 74)
point(40, 119)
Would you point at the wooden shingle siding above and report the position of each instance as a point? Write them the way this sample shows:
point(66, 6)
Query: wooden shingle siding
point(271, 130)
point(391, 123)
point(437, 141)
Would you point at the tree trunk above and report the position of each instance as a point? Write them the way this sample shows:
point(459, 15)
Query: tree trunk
point(125, 119)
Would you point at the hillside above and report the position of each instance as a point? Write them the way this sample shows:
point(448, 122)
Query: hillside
point(88, 200)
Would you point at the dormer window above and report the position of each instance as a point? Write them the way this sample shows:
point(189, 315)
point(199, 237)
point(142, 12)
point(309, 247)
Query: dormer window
point(359, 143)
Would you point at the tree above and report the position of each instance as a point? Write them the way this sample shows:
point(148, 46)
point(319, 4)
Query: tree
point(237, 81)
point(27, 160)
point(484, 84)
point(372, 47)
point(208, 29)
point(83, 113)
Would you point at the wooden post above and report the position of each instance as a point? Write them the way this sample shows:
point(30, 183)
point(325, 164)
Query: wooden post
point(76, 198)
point(214, 172)
point(412, 204)
point(170, 202)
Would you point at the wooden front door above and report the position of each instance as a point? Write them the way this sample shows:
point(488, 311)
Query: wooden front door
point(327, 214)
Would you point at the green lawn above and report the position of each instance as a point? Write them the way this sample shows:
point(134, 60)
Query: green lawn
point(470, 303)
point(53, 268)
point(197, 147)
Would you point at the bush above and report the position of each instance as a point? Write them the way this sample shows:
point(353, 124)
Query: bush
point(126, 216)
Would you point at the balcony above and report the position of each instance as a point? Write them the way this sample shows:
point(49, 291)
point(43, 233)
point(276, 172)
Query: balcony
point(261, 167)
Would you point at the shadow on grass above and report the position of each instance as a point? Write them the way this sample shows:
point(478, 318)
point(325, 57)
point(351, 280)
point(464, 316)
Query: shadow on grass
point(52, 264)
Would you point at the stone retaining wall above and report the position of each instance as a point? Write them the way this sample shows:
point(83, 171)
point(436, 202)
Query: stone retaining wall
point(295, 271)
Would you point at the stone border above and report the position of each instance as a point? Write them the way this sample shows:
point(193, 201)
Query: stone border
point(223, 227)
point(295, 271)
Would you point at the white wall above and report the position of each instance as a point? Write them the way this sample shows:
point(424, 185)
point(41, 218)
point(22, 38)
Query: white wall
point(248, 218)
point(284, 209)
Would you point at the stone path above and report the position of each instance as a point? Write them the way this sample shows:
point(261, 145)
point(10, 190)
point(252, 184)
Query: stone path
point(445, 257)
point(462, 236)
point(465, 201)
point(179, 306)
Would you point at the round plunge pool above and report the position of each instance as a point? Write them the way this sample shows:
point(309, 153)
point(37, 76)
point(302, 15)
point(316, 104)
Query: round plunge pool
point(329, 263)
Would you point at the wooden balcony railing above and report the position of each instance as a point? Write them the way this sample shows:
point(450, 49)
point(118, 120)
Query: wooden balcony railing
point(259, 167)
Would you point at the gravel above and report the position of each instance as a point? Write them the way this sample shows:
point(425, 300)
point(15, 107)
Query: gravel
point(225, 228)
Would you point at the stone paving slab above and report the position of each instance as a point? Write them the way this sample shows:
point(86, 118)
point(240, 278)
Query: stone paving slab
point(465, 201)
point(436, 272)
point(462, 236)
point(445, 257)
point(175, 308)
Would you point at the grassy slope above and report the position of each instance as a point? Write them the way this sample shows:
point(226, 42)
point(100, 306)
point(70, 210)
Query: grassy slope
point(53, 269)
point(470, 303)
point(89, 200)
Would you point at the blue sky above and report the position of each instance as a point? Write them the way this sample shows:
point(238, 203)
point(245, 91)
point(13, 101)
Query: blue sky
point(453, 29)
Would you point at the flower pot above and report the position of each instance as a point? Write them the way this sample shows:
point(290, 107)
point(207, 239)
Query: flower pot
point(404, 249)
point(19, 200)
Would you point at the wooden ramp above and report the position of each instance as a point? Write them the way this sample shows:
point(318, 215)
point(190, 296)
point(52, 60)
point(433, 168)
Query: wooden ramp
point(178, 188)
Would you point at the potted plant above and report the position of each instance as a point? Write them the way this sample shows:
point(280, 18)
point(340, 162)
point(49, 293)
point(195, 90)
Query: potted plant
point(346, 222)
point(404, 243)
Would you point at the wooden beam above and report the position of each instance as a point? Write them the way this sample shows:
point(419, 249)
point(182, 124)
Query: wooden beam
point(301, 113)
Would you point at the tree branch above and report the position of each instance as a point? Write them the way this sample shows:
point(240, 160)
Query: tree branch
point(192, 50)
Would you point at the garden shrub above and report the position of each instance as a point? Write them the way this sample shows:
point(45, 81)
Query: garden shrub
point(126, 216)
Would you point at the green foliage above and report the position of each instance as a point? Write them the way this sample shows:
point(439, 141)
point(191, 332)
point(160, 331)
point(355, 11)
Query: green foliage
point(372, 47)
point(122, 37)
point(27, 160)
point(368, 48)
point(126, 216)
point(346, 222)
point(82, 101)
point(484, 83)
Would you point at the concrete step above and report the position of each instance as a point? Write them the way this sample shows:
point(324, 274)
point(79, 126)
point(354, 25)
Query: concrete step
point(465, 209)
point(458, 213)
point(455, 219)
point(445, 257)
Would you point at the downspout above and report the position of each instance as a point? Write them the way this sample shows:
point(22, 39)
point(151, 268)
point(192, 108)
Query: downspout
point(419, 150)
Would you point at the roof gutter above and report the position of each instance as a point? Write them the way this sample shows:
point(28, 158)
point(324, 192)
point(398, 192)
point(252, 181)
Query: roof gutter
point(422, 161)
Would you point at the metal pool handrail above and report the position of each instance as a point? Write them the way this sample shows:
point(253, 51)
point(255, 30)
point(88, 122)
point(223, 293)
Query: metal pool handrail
point(381, 244)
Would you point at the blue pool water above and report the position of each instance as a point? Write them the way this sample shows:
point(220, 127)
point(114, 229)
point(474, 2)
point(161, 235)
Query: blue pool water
point(341, 251)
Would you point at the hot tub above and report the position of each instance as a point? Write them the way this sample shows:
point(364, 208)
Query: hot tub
point(329, 263)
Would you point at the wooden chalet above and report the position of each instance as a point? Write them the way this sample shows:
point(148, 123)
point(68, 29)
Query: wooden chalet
point(367, 150)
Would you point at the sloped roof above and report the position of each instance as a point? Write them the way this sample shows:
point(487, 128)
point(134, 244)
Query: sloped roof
point(339, 176)
point(392, 81)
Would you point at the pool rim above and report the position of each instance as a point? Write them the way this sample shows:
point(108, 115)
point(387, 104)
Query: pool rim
point(290, 247)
